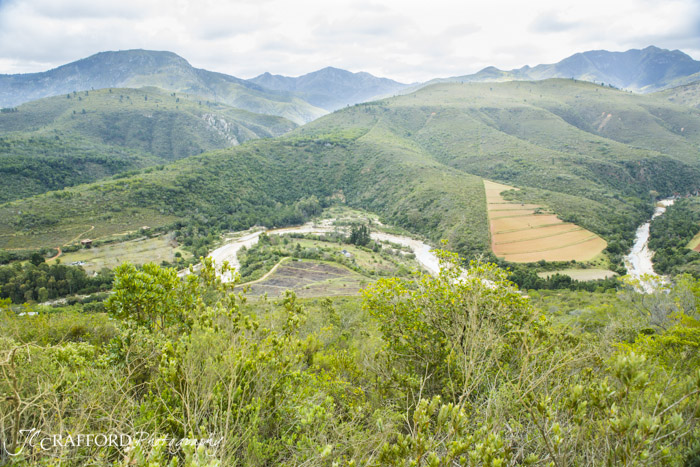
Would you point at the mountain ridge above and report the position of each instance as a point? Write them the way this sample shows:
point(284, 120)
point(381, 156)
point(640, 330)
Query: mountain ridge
point(639, 70)
point(137, 68)
point(332, 88)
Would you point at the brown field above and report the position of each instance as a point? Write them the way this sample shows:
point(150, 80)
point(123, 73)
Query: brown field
point(309, 279)
point(581, 274)
point(581, 252)
point(520, 235)
point(497, 214)
point(494, 190)
point(530, 234)
point(543, 244)
point(505, 224)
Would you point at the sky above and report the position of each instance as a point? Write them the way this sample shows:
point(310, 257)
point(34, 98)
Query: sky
point(405, 40)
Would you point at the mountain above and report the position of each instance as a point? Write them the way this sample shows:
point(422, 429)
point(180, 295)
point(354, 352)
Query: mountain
point(166, 70)
point(594, 155)
point(332, 88)
point(75, 138)
point(646, 70)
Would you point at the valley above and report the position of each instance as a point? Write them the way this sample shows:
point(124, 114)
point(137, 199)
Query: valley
point(342, 269)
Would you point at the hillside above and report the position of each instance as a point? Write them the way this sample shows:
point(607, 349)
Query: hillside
point(593, 155)
point(688, 94)
point(645, 70)
point(80, 137)
point(166, 70)
point(332, 88)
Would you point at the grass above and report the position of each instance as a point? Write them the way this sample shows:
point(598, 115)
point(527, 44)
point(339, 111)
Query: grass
point(521, 234)
point(695, 243)
point(581, 274)
point(138, 252)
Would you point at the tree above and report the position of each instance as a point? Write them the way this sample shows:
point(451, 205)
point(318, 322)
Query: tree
point(36, 258)
point(359, 235)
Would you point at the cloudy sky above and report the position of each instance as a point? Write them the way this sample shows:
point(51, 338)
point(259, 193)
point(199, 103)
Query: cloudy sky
point(402, 39)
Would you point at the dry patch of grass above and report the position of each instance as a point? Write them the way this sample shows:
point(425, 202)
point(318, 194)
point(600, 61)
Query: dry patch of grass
point(695, 243)
point(138, 251)
point(525, 233)
point(581, 274)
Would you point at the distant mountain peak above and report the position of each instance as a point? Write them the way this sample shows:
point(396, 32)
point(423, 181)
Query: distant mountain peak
point(641, 70)
point(138, 68)
point(331, 88)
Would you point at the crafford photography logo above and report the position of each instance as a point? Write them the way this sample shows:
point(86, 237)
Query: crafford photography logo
point(33, 440)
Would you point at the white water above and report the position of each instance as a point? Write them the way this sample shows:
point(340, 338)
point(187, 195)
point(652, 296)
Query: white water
point(638, 261)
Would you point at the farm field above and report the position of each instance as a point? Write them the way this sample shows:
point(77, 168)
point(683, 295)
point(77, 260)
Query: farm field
point(138, 251)
point(309, 278)
point(67, 231)
point(580, 274)
point(525, 233)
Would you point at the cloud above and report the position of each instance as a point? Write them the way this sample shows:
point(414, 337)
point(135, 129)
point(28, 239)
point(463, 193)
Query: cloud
point(550, 22)
point(408, 40)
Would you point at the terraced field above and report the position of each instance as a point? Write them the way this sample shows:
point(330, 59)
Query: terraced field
point(525, 233)
point(309, 279)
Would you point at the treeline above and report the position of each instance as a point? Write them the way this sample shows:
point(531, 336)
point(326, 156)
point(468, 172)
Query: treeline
point(40, 282)
point(526, 279)
point(670, 234)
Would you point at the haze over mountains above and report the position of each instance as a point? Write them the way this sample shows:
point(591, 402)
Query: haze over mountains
point(305, 98)
point(647, 70)
point(332, 88)
point(166, 70)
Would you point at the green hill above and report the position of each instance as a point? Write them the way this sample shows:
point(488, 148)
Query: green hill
point(81, 137)
point(417, 160)
point(688, 94)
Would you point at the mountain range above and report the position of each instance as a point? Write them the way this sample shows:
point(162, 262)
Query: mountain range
point(647, 70)
point(166, 70)
point(307, 97)
point(332, 88)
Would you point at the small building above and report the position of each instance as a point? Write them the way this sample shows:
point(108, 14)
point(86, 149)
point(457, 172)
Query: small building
point(87, 243)
point(346, 253)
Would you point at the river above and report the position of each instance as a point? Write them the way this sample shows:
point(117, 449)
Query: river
point(638, 261)
point(229, 251)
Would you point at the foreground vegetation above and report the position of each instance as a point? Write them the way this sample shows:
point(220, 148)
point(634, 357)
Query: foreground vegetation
point(421, 371)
